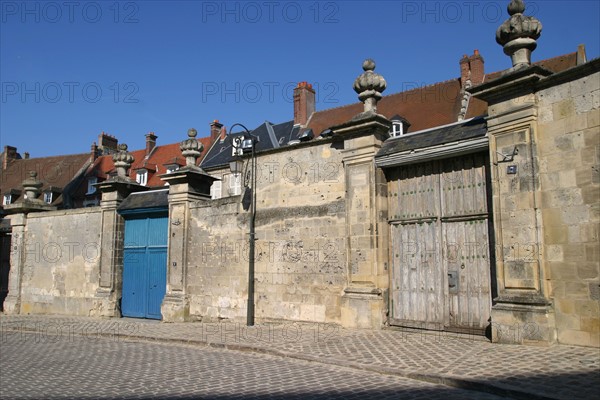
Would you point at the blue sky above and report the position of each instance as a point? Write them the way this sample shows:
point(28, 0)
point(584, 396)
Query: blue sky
point(70, 70)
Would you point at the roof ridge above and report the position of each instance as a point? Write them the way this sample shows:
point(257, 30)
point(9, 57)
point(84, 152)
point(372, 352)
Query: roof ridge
point(60, 155)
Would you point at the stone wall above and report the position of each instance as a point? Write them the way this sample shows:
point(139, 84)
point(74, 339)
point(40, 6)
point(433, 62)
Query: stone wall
point(568, 138)
point(60, 258)
point(301, 242)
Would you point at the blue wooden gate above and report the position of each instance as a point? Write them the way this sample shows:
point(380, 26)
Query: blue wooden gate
point(144, 266)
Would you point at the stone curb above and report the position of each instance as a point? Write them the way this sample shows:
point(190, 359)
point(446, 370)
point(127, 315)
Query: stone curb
point(442, 379)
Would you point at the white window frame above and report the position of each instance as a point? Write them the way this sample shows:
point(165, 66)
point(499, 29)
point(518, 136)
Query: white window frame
point(48, 197)
point(91, 182)
point(6, 199)
point(235, 184)
point(141, 177)
point(397, 129)
point(216, 190)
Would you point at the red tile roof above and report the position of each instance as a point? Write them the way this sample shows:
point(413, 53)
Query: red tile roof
point(427, 106)
point(156, 163)
point(424, 107)
point(55, 171)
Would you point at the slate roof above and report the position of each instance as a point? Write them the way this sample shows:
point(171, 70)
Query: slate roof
point(456, 132)
point(56, 171)
point(145, 200)
point(270, 136)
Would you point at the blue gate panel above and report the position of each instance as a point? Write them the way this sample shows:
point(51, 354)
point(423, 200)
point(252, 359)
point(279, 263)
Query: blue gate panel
point(134, 283)
point(158, 231)
point(157, 280)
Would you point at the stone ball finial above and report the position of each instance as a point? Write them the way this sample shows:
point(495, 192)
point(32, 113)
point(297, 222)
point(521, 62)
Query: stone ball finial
point(368, 65)
point(369, 86)
point(191, 148)
point(515, 7)
point(518, 34)
point(123, 160)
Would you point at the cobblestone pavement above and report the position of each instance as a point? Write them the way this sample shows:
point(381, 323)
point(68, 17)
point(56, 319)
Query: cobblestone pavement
point(80, 368)
point(527, 372)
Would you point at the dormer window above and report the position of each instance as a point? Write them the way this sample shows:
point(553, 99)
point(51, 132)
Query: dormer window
point(397, 129)
point(172, 168)
point(7, 199)
point(91, 189)
point(142, 177)
point(399, 126)
point(48, 197)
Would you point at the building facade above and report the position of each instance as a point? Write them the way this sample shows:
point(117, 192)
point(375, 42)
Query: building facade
point(477, 212)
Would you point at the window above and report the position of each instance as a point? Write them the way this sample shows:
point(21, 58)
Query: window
point(48, 197)
point(235, 184)
point(215, 190)
point(142, 177)
point(396, 129)
point(91, 182)
point(7, 199)
point(172, 168)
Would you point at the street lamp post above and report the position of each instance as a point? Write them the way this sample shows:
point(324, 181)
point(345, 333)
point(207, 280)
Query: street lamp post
point(249, 142)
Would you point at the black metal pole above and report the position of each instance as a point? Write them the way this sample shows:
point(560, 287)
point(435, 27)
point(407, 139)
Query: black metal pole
point(250, 314)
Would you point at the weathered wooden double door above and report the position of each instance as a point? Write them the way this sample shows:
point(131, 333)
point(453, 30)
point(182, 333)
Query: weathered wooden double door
point(439, 216)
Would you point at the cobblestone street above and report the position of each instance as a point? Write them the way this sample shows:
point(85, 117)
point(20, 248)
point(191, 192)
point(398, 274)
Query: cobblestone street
point(100, 368)
point(79, 357)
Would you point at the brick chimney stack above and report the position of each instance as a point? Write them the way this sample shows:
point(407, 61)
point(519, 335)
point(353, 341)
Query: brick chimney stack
point(107, 143)
point(10, 153)
point(477, 72)
point(215, 130)
point(471, 68)
point(465, 71)
point(304, 103)
point(150, 142)
point(94, 152)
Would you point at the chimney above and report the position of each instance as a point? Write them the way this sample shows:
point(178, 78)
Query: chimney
point(476, 64)
point(223, 134)
point(10, 153)
point(465, 72)
point(150, 142)
point(215, 130)
point(26, 155)
point(304, 103)
point(107, 143)
point(94, 152)
point(581, 56)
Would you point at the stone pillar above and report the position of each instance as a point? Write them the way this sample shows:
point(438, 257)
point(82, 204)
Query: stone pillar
point(18, 221)
point(365, 296)
point(12, 303)
point(522, 311)
point(114, 191)
point(186, 185)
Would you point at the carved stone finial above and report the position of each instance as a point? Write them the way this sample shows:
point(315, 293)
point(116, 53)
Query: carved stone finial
point(31, 186)
point(191, 148)
point(122, 160)
point(518, 34)
point(369, 86)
